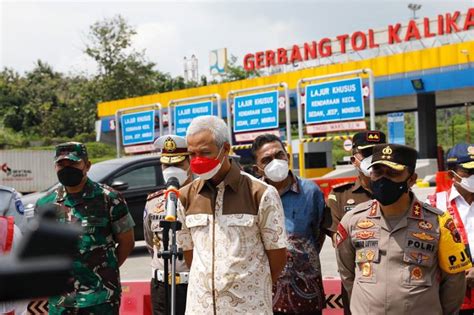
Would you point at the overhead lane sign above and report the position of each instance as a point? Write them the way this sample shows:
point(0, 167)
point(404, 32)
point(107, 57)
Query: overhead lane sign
point(138, 127)
point(184, 114)
point(256, 112)
point(334, 101)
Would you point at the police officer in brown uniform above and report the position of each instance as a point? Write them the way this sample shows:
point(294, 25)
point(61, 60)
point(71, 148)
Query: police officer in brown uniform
point(174, 163)
point(344, 197)
point(395, 254)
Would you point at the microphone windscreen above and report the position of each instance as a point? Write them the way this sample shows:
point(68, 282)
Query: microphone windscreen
point(172, 181)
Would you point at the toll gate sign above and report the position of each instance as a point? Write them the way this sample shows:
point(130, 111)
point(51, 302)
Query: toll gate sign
point(334, 101)
point(184, 114)
point(256, 112)
point(138, 127)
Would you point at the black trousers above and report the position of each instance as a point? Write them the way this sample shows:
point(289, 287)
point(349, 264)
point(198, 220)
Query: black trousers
point(158, 304)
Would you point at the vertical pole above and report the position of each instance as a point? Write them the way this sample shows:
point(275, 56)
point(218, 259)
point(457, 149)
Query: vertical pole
point(300, 130)
point(117, 132)
point(468, 124)
point(229, 116)
point(371, 98)
point(289, 148)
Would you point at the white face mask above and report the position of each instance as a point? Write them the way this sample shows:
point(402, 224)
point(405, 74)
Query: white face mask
point(173, 171)
point(276, 170)
point(364, 166)
point(467, 183)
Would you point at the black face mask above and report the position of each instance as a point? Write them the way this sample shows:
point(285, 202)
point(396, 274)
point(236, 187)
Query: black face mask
point(387, 191)
point(70, 176)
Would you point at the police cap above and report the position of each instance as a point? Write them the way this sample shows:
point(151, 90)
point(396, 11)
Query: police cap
point(461, 154)
point(395, 156)
point(174, 149)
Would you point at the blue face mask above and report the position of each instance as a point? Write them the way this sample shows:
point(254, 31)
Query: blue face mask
point(386, 191)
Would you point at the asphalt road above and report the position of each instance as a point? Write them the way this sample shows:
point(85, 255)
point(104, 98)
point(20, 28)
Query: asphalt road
point(137, 267)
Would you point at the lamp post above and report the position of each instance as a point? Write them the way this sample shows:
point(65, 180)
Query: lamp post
point(414, 7)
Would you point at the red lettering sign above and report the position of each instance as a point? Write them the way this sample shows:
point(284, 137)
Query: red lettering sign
point(360, 40)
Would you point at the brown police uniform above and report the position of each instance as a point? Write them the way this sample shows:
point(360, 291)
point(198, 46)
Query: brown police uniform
point(396, 270)
point(173, 151)
point(346, 196)
point(412, 265)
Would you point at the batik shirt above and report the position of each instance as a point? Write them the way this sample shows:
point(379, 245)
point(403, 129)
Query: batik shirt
point(300, 287)
point(103, 213)
point(229, 228)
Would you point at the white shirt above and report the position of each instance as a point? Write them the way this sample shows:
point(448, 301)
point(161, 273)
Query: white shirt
point(466, 213)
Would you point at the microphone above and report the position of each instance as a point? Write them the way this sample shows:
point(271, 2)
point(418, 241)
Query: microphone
point(171, 196)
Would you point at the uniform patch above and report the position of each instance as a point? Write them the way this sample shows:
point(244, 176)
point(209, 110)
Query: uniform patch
point(332, 197)
point(367, 269)
point(363, 235)
point(421, 245)
point(424, 225)
point(416, 273)
point(350, 201)
point(19, 207)
point(423, 236)
point(370, 254)
point(365, 224)
point(341, 234)
point(364, 244)
point(454, 231)
point(348, 208)
point(419, 257)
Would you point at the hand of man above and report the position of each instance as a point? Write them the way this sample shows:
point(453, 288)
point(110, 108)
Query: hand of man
point(470, 277)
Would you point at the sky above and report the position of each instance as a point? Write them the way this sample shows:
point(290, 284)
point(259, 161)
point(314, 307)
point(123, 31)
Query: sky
point(56, 31)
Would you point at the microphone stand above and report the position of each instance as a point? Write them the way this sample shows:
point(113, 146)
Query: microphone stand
point(172, 254)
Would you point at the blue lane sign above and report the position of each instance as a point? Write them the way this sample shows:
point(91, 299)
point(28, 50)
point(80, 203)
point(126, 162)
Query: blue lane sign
point(138, 127)
point(184, 114)
point(396, 128)
point(334, 101)
point(256, 111)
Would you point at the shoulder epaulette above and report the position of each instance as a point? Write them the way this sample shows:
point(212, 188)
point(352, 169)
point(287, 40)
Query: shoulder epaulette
point(342, 185)
point(363, 206)
point(155, 194)
point(430, 208)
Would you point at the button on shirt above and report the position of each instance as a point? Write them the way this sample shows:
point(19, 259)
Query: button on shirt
point(466, 212)
point(229, 227)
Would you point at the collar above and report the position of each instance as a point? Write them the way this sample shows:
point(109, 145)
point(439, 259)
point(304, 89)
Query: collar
point(415, 211)
point(358, 186)
point(294, 185)
point(87, 192)
point(231, 179)
point(453, 194)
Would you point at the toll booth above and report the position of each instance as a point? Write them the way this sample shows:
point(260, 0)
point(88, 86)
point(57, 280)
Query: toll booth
point(317, 157)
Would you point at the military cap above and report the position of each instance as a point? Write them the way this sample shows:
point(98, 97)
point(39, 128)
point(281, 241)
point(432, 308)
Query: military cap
point(395, 156)
point(174, 149)
point(74, 151)
point(461, 154)
point(367, 139)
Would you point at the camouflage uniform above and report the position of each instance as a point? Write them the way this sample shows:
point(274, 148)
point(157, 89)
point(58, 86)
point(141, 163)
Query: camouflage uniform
point(103, 213)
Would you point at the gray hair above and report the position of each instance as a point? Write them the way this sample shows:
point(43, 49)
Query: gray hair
point(214, 124)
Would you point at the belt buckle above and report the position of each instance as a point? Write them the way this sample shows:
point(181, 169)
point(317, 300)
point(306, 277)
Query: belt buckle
point(177, 278)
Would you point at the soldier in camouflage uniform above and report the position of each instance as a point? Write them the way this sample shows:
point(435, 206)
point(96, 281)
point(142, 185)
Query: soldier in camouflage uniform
point(107, 239)
point(174, 163)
